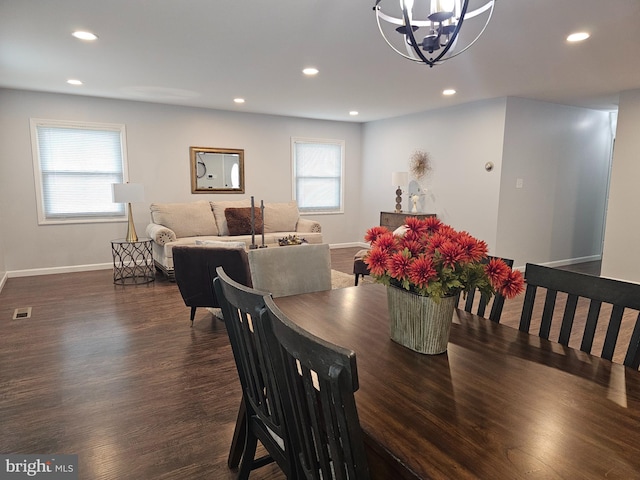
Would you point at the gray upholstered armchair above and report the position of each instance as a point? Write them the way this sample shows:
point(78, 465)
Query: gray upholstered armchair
point(195, 268)
point(291, 270)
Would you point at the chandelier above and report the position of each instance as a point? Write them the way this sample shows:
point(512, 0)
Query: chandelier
point(429, 29)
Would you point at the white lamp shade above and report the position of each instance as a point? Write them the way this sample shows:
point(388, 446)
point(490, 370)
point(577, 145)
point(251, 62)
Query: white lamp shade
point(399, 179)
point(127, 192)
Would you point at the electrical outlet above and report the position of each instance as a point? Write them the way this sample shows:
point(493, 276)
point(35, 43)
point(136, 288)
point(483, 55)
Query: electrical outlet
point(519, 182)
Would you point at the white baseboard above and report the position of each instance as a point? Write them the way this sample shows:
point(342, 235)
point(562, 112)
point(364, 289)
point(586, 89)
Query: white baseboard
point(564, 263)
point(54, 270)
point(348, 245)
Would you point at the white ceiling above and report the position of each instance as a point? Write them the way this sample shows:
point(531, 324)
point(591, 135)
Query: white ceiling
point(204, 53)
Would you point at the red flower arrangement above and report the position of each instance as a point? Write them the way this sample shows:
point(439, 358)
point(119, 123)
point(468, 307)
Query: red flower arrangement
point(432, 259)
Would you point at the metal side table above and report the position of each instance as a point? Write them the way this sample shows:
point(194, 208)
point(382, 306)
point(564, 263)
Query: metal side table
point(132, 262)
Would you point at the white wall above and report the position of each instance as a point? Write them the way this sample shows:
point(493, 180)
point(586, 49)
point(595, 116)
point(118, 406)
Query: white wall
point(158, 140)
point(621, 256)
point(562, 155)
point(560, 152)
point(460, 141)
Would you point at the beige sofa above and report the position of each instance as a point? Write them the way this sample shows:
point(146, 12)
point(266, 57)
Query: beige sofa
point(202, 221)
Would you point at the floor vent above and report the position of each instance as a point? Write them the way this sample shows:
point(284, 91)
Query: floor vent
point(20, 313)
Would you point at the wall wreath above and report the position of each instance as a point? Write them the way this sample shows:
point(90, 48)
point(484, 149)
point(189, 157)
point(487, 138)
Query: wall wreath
point(419, 164)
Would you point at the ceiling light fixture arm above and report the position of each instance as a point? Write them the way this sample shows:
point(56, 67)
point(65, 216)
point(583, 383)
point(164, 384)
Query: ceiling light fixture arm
point(407, 26)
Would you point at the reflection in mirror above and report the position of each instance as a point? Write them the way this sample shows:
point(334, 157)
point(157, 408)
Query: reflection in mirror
point(219, 170)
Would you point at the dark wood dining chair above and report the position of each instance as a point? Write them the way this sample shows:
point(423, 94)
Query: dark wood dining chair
point(320, 408)
point(620, 296)
point(195, 268)
point(260, 416)
point(497, 302)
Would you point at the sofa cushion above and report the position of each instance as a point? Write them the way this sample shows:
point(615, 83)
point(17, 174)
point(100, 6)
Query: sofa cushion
point(239, 220)
point(280, 217)
point(218, 211)
point(185, 219)
point(218, 244)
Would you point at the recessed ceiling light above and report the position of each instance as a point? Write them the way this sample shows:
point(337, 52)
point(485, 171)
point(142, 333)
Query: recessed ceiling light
point(84, 35)
point(238, 100)
point(449, 91)
point(577, 37)
point(353, 113)
point(310, 71)
point(73, 81)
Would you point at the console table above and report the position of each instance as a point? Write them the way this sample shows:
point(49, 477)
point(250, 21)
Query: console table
point(393, 220)
point(132, 262)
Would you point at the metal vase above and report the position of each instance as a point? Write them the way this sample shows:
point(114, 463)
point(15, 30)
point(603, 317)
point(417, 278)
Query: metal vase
point(418, 322)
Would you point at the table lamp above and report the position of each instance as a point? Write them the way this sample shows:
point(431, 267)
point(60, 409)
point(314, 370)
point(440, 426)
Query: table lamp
point(128, 193)
point(399, 179)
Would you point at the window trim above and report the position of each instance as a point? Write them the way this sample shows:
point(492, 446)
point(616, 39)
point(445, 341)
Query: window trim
point(37, 170)
point(327, 141)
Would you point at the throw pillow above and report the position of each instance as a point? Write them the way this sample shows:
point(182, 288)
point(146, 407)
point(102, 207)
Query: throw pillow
point(239, 220)
point(218, 212)
point(185, 219)
point(280, 217)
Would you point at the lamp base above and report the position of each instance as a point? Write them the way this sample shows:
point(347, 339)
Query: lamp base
point(398, 200)
point(131, 229)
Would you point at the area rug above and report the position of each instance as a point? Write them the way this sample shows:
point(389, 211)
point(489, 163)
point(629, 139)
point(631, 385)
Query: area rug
point(341, 279)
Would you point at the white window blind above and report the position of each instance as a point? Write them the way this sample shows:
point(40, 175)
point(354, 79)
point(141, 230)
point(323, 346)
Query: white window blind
point(318, 170)
point(75, 166)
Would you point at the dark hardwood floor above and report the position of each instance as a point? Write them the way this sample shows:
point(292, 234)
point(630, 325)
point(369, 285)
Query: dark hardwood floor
point(116, 375)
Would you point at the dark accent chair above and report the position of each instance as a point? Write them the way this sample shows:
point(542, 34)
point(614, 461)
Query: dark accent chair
point(319, 404)
point(195, 268)
point(360, 269)
point(260, 416)
point(497, 303)
point(598, 290)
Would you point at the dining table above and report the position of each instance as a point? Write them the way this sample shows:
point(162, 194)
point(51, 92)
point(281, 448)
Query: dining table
point(498, 404)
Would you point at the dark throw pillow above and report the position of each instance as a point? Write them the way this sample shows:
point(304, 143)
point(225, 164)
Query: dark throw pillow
point(239, 220)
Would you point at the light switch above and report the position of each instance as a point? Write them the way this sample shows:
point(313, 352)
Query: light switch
point(519, 183)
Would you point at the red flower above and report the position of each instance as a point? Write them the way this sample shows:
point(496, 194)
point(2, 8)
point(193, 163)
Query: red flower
point(497, 271)
point(416, 225)
point(421, 271)
point(514, 285)
point(451, 253)
point(432, 224)
point(376, 259)
point(435, 242)
point(398, 265)
point(374, 232)
point(414, 247)
point(410, 235)
point(447, 231)
point(385, 242)
point(475, 249)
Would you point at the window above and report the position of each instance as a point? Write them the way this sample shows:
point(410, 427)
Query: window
point(318, 175)
point(74, 165)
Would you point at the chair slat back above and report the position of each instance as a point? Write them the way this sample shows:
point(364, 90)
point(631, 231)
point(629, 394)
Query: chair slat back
point(320, 378)
point(621, 296)
point(497, 303)
point(242, 307)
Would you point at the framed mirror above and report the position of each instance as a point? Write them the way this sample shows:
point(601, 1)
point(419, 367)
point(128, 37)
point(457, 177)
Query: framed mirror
point(216, 170)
